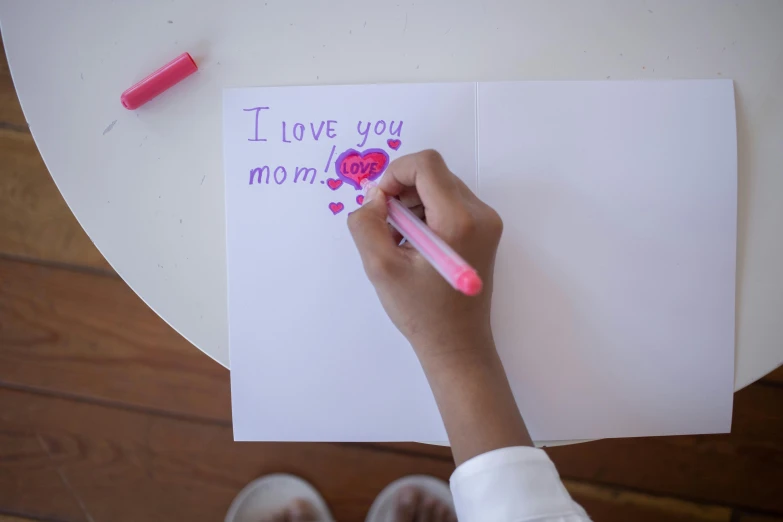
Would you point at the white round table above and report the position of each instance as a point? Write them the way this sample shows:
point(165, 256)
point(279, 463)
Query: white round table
point(147, 185)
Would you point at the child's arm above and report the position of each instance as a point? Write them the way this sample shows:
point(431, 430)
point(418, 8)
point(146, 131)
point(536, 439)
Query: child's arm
point(449, 332)
point(452, 337)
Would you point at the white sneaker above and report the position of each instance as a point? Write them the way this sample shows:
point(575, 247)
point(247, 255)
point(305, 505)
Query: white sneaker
point(269, 495)
point(384, 509)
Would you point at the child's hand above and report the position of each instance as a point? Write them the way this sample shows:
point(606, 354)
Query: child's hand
point(434, 317)
point(449, 331)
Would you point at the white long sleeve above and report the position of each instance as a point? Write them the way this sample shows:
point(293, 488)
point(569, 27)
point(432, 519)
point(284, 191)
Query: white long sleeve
point(518, 484)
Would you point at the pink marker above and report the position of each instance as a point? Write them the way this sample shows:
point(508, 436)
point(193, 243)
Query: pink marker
point(167, 76)
point(441, 256)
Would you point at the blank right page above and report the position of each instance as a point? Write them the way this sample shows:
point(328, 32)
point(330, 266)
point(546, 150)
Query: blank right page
point(614, 298)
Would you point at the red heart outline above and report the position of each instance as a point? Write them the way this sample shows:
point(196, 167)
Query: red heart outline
point(353, 166)
point(394, 144)
point(336, 208)
point(334, 184)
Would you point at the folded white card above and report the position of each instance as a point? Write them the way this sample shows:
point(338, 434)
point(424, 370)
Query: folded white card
point(614, 292)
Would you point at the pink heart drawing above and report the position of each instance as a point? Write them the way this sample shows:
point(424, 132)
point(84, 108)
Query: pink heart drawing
point(334, 184)
point(394, 144)
point(353, 166)
point(336, 208)
point(360, 199)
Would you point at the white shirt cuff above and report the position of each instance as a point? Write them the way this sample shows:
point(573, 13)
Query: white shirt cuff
point(514, 484)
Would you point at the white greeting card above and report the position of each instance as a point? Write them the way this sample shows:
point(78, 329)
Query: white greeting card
point(614, 294)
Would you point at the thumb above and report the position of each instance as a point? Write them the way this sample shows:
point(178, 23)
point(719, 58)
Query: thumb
point(372, 236)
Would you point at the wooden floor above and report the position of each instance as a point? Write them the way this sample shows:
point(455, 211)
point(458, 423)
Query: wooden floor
point(106, 414)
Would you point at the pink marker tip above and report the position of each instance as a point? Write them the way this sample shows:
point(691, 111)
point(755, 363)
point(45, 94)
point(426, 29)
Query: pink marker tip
point(469, 283)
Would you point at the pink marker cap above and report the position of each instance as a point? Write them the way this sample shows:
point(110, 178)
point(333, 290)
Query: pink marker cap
point(469, 283)
point(161, 80)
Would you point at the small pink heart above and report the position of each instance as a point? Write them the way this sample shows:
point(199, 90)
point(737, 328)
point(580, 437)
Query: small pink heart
point(394, 144)
point(336, 208)
point(360, 199)
point(334, 184)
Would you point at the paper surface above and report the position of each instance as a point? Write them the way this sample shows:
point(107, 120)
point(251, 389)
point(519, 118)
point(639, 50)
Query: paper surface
point(313, 355)
point(614, 296)
point(614, 304)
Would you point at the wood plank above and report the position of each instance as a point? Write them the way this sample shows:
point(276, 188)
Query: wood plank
point(10, 518)
point(775, 376)
point(11, 114)
point(35, 222)
point(616, 505)
point(749, 517)
point(131, 466)
point(431, 450)
point(81, 334)
point(742, 469)
point(26, 476)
